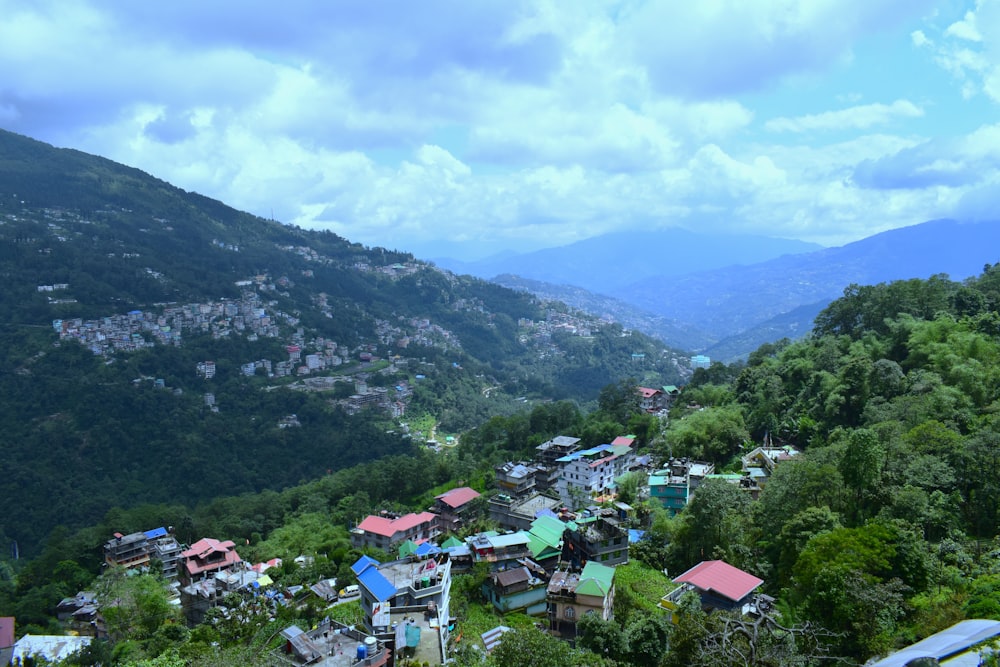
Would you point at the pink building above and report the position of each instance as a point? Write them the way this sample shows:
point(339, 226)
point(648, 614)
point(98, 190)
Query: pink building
point(452, 506)
point(206, 557)
point(386, 532)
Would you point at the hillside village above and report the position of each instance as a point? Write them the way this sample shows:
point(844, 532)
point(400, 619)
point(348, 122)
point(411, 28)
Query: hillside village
point(828, 499)
point(561, 527)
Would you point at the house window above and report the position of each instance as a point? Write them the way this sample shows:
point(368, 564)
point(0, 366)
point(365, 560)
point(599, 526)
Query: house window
point(570, 612)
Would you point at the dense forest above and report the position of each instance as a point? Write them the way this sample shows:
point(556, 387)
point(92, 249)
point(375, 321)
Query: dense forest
point(883, 530)
point(84, 241)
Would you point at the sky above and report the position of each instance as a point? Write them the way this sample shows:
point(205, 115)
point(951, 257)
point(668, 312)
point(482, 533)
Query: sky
point(462, 129)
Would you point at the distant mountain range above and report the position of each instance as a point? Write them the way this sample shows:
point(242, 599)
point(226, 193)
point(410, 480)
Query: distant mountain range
point(608, 263)
point(728, 311)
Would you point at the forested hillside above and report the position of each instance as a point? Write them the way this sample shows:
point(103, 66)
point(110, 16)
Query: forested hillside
point(881, 531)
point(135, 393)
point(159, 346)
point(885, 529)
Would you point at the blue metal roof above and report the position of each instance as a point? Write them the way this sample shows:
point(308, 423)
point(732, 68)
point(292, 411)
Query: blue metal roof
point(363, 564)
point(381, 588)
point(945, 644)
point(426, 548)
point(155, 533)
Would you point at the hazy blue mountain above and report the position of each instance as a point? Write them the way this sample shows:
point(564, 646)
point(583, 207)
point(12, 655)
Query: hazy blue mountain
point(679, 334)
point(728, 312)
point(734, 299)
point(794, 324)
point(609, 262)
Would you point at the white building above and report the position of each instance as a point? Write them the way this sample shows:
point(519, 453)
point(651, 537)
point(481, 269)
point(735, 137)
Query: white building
point(593, 470)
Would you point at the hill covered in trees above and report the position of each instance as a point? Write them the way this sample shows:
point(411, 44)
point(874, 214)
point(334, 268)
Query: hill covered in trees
point(883, 530)
point(158, 346)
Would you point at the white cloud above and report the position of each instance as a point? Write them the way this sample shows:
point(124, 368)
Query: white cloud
point(860, 117)
point(919, 39)
point(717, 47)
point(965, 29)
point(970, 50)
point(519, 123)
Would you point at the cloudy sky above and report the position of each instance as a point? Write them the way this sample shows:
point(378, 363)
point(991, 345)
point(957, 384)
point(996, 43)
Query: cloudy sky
point(465, 128)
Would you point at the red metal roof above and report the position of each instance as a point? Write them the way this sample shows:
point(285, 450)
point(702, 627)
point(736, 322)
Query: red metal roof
point(194, 558)
point(647, 392)
point(458, 497)
point(6, 631)
point(720, 577)
point(389, 527)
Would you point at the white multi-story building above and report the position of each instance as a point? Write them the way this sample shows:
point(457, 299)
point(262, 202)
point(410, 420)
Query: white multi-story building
point(594, 470)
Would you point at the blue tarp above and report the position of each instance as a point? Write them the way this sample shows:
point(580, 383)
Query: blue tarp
point(155, 533)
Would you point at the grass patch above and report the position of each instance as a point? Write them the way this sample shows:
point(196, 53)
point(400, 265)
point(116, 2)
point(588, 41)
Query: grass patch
point(482, 617)
point(640, 587)
point(424, 425)
point(348, 613)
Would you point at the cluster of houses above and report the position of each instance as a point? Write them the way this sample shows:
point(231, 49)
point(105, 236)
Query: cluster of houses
point(545, 560)
point(549, 561)
point(201, 576)
point(559, 568)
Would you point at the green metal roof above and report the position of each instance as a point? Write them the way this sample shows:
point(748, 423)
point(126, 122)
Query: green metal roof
point(407, 548)
point(548, 529)
point(540, 549)
point(596, 580)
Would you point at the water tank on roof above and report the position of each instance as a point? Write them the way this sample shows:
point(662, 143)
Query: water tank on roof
point(362, 652)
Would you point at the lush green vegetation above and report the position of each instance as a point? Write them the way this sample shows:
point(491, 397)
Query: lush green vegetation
point(95, 432)
point(883, 530)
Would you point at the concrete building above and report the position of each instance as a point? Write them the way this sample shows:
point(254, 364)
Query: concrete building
point(332, 644)
point(592, 471)
point(556, 448)
point(572, 594)
point(127, 551)
point(516, 479)
point(719, 585)
point(6, 639)
point(513, 514)
point(406, 604)
point(517, 589)
point(596, 539)
point(453, 506)
point(206, 557)
point(674, 484)
point(500, 551)
point(388, 531)
point(547, 464)
point(165, 548)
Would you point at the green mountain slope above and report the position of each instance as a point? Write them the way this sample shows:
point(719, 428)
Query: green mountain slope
point(119, 288)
